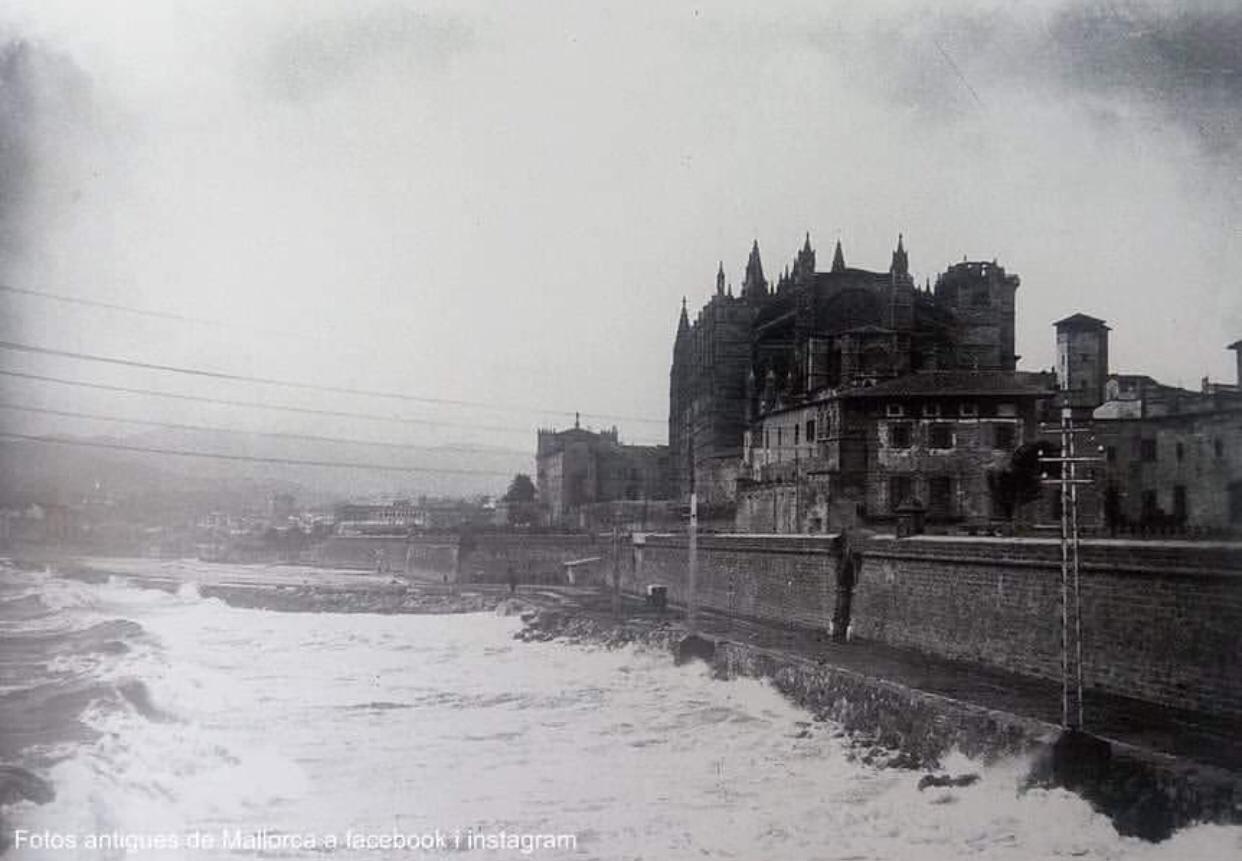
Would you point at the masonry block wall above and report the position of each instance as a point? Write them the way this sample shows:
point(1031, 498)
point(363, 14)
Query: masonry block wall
point(487, 558)
point(771, 577)
point(1161, 621)
point(433, 557)
point(366, 553)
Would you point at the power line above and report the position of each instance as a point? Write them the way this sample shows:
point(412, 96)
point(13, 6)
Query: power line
point(348, 414)
point(295, 384)
point(146, 312)
point(263, 405)
point(275, 434)
point(284, 461)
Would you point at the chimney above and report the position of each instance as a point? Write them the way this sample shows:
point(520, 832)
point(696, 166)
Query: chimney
point(1236, 346)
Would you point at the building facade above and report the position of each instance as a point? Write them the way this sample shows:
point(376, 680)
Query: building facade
point(1172, 457)
point(933, 439)
point(766, 414)
point(577, 469)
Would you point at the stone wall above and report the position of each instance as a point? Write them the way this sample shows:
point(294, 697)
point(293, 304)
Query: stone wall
point(370, 553)
point(1161, 621)
point(488, 557)
point(781, 578)
point(428, 556)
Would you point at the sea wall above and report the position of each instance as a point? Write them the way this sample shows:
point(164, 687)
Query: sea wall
point(477, 557)
point(538, 558)
point(1146, 794)
point(781, 578)
point(362, 552)
point(1161, 621)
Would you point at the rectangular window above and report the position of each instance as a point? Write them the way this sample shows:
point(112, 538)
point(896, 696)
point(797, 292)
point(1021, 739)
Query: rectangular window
point(894, 411)
point(797, 430)
point(810, 430)
point(1110, 454)
point(1004, 437)
point(900, 489)
point(1150, 508)
point(969, 410)
point(1147, 450)
point(932, 411)
point(1181, 452)
point(1007, 410)
point(1179, 503)
point(940, 495)
point(899, 435)
point(779, 434)
point(940, 436)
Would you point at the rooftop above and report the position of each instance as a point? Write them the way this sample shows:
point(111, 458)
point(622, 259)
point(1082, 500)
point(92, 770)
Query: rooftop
point(939, 383)
point(1080, 321)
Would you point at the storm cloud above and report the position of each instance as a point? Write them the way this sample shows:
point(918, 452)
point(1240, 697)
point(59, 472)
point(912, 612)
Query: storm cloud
point(1125, 64)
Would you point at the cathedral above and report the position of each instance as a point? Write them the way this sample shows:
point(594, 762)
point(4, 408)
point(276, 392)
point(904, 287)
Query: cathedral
point(808, 346)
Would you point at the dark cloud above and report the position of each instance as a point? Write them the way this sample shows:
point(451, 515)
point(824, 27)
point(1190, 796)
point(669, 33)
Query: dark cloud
point(318, 56)
point(1178, 64)
point(1186, 62)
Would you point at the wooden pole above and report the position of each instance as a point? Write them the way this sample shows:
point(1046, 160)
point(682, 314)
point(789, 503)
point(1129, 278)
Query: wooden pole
point(692, 575)
point(616, 567)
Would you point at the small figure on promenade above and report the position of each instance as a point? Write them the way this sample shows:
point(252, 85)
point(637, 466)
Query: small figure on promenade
point(512, 580)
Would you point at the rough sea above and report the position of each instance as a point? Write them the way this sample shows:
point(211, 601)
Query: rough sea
point(173, 726)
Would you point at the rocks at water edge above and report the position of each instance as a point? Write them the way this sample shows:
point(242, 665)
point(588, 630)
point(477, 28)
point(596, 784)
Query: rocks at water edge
point(938, 780)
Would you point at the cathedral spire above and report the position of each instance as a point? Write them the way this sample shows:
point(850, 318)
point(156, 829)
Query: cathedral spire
point(720, 280)
point(683, 325)
point(804, 264)
point(838, 258)
point(901, 263)
point(754, 287)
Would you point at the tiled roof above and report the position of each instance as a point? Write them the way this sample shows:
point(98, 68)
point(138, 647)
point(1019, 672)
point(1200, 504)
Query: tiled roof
point(931, 383)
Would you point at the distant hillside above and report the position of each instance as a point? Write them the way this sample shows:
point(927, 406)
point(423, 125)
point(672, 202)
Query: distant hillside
point(67, 474)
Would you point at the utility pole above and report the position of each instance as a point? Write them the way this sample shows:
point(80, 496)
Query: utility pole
point(1071, 581)
point(616, 566)
point(693, 566)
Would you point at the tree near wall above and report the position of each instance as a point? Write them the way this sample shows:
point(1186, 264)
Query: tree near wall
point(521, 500)
point(521, 489)
point(1020, 481)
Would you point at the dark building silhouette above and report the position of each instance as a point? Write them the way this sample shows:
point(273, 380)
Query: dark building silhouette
point(578, 469)
point(810, 338)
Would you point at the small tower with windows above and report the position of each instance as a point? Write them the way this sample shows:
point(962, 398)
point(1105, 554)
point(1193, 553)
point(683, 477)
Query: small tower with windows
point(1082, 359)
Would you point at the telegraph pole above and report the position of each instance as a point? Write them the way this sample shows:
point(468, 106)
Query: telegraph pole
point(1071, 581)
point(693, 567)
point(616, 565)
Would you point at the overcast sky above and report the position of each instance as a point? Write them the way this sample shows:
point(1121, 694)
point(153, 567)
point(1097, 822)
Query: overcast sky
point(506, 202)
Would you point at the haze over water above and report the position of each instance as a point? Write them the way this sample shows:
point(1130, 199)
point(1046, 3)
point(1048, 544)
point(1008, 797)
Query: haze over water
point(202, 717)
